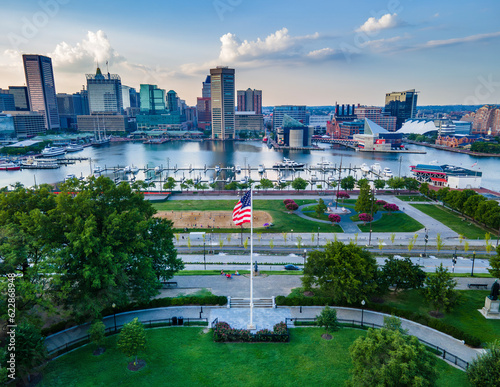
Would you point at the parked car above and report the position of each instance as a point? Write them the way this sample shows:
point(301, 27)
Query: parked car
point(291, 267)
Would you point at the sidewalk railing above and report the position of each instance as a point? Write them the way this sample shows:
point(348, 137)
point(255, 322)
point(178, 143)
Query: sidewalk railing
point(70, 345)
point(441, 352)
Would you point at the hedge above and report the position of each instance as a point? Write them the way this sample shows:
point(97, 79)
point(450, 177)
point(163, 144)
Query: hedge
point(223, 333)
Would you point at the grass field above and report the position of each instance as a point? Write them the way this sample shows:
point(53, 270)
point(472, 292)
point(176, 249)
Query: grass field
point(189, 357)
point(465, 316)
point(413, 198)
point(452, 220)
point(283, 221)
point(396, 222)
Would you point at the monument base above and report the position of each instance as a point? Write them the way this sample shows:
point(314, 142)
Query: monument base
point(491, 309)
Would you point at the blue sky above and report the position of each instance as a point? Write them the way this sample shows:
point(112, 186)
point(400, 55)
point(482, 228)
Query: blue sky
point(297, 52)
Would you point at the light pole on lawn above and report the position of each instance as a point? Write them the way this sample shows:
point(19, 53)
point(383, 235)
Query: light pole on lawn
point(473, 259)
point(114, 314)
point(317, 242)
point(305, 255)
point(363, 302)
point(204, 258)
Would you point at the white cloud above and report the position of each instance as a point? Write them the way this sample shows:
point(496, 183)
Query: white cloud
point(274, 47)
point(386, 44)
point(456, 41)
point(386, 21)
point(323, 53)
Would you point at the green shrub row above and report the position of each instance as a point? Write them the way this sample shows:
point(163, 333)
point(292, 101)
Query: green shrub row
point(419, 318)
point(223, 333)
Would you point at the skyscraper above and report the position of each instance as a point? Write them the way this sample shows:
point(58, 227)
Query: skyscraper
point(206, 89)
point(41, 88)
point(296, 112)
point(172, 102)
point(250, 101)
point(222, 95)
point(402, 105)
point(21, 98)
point(152, 99)
point(105, 93)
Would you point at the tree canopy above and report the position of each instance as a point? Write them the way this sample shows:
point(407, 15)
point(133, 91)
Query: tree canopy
point(132, 339)
point(299, 184)
point(485, 369)
point(402, 273)
point(439, 289)
point(347, 272)
point(348, 183)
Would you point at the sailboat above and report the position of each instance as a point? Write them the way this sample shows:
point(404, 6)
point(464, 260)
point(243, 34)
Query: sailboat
point(99, 138)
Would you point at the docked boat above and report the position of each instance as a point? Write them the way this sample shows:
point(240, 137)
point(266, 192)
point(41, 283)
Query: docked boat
point(52, 151)
point(364, 168)
point(158, 170)
point(237, 169)
point(131, 169)
point(9, 167)
point(97, 170)
point(211, 180)
point(376, 168)
point(264, 139)
point(74, 147)
point(261, 169)
point(288, 164)
point(217, 168)
point(32, 163)
point(313, 177)
point(387, 172)
point(70, 176)
point(325, 164)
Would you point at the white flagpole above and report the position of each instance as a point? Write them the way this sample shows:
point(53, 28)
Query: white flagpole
point(251, 326)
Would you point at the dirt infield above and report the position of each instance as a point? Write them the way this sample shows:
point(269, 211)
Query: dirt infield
point(211, 219)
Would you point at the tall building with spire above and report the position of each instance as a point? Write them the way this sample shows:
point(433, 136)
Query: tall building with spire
point(41, 88)
point(105, 93)
point(222, 99)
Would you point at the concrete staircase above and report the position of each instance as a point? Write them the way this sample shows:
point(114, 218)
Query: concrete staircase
point(245, 302)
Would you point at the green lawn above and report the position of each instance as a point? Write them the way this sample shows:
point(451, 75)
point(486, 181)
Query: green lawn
point(396, 222)
point(465, 316)
point(452, 220)
point(413, 198)
point(189, 357)
point(283, 221)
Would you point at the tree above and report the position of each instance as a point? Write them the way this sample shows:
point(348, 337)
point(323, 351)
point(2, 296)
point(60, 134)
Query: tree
point(396, 183)
point(365, 218)
point(342, 195)
point(348, 183)
point(113, 250)
point(485, 369)
point(170, 183)
point(379, 184)
point(299, 184)
point(30, 348)
point(402, 274)
point(233, 186)
point(328, 319)
point(334, 218)
point(365, 200)
point(132, 339)
point(320, 208)
point(424, 189)
point(495, 264)
point(363, 183)
point(411, 184)
point(439, 289)
point(389, 207)
point(347, 272)
point(471, 204)
point(97, 333)
point(388, 357)
point(292, 206)
point(265, 184)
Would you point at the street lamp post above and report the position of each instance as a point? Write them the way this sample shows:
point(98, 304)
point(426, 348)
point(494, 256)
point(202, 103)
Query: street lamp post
point(317, 242)
point(426, 239)
point(454, 260)
point(473, 259)
point(363, 302)
point(114, 314)
point(305, 255)
point(291, 235)
point(371, 218)
point(204, 258)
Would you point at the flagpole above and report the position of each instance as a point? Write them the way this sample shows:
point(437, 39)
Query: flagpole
point(251, 325)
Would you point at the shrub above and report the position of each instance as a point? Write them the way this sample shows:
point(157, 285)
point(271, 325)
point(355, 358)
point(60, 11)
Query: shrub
point(224, 333)
point(381, 202)
point(292, 206)
point(391, 207)
point(287, 201)
point(364, 217)
point(334, 218)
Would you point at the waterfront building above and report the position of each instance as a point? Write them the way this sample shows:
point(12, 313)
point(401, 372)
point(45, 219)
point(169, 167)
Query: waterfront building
point(7, 129)
point(157, 121)
point(343, 113)
point(375, 114)
point(105, 93)
point(172, 102)
point(27, 124)
point(428, 127)
point(293, 133)
point(319, 122)
point(21, 98)
point(222, 95)
point(104, 123)
point(41, 88)
point(248, 122)
point(376, 138)
point(347, 129)
point(486, 120)
point(206, 88)
point(204, 113)
point(457, 140)
point(447, 176)
point(293, 111)
point(152, 99)
point(402, 105)
point(6, 101)
point(250, 101)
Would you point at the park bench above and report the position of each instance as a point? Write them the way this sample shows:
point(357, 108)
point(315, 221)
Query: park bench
point(168, 285)
point(478, 286)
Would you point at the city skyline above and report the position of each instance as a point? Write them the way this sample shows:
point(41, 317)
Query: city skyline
point(317, 54)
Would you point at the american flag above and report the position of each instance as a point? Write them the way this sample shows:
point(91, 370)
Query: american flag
point(242, 212)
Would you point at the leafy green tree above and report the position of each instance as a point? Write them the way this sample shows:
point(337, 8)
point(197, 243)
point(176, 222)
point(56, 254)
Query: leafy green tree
point(170, 183)
point(439, 289)
point(265, 184)
point(299, 184)
point(379, 184)
point(363, 183)
point(320, 208)
point(365, 202)
point(132, 339)
point(97, 332)
point(347, 272)
point(424, 189)
point(348, 183)
point(233, 186)
point(328, 319)
point(402, 273)
point(108, 254)
point(411, 184)
point(485, 369)
point(471, 204)
point(495, 264)
point(396, 183)
point(387, 357)
point(30, 349)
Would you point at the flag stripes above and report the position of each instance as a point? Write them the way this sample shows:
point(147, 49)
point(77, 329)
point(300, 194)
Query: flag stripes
point(242, 212)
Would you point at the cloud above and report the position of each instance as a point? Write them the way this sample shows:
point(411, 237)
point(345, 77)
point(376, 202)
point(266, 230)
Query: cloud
point(386, 21)
point(383, 45)
point(457, 41)
point(275, 47)
point(323, 53)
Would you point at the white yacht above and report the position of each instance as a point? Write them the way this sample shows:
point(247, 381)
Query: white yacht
point(376, 168)
point(70, 176)
point(52, 151)
point(261, 169)
point(364, 168)
point(387, 172)
point(237, 169)
point(97, 170)
point(74, 147)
